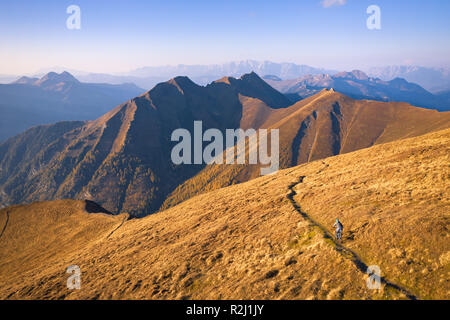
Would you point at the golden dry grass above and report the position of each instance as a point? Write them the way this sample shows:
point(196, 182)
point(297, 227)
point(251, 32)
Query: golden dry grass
point(249, 241)
point(320, 126)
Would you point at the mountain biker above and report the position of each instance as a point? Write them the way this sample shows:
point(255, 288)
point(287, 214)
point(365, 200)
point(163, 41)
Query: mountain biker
point(339, 228)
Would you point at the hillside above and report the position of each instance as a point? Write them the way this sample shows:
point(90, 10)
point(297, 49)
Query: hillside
point(122, 160)
point(56, 97)
point(268, 238)
point(324, 125)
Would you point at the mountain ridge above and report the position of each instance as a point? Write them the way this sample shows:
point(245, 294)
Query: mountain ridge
point(359, 85)
point(56, 97)
point(268, 238)
point(326, 124)
point(431, 78)
point(127, 151)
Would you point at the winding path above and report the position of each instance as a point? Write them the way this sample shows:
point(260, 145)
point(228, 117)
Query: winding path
point(6, 224)
point(345, 252)
point(115, 229)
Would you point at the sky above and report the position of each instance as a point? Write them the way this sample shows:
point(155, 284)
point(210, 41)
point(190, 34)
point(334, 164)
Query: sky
point(117, 36)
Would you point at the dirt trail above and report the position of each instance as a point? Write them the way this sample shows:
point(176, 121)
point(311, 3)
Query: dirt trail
point(121, 224)
point(345, 252)
point(6, 224)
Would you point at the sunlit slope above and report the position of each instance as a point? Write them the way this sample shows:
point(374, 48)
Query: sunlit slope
point(321, 126)
point(268, 238)
point(394, 201)
point(42, 238)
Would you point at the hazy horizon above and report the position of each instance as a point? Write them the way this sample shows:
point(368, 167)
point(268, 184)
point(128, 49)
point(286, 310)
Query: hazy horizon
point(76, 72)
point(126, 35)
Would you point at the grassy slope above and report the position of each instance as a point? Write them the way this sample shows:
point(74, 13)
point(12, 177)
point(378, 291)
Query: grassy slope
point(315, 128)
point(249, 240)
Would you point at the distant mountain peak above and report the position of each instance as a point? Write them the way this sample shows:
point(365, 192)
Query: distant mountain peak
point(50, 79)
point(399, 81)
point(182, 83)
point(430, 78)
point(360, 75)
point(250, 76)
point(272, 77)
point(354, 75)
point(183, 80)
point(25, 80)
point(251, 85)
point(247, 78)
point(59, 77)
point(63, 76)
point(359, 85)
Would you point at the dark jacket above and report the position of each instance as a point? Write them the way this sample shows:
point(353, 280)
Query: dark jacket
point(338, 226)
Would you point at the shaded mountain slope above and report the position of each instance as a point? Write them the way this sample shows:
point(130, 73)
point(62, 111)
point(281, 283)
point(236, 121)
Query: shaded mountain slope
point(264, 239)
point(122, 160)
point(56, 97)
point(251, 85)
point(326, 124)
point(126, 152)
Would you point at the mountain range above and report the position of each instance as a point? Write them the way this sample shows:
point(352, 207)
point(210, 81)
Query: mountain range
point(122, 159)
point(147, 77)
point(434, 80)
point(359, 85)
point(126, 152)
point(55, 97)
point(232, 69)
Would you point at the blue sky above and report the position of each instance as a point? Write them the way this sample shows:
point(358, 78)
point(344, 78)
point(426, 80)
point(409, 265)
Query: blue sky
point(121, 35)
